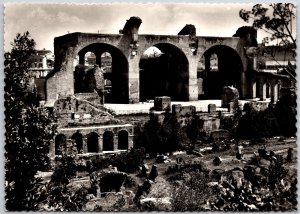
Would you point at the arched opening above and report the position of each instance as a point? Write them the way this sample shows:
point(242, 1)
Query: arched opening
point(60, 144)
point(123, 140)
point(106, 62)
point(106, 66)
point(111, 65)
point(108, 141)
point(92, 143)
point(89, 59)
point(214, 65)
point(164, 71)
point(222, 67)
point(77, 137)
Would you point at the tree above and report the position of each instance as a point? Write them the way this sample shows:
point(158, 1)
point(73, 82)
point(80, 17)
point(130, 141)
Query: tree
point(278, 21)
point(28, 128)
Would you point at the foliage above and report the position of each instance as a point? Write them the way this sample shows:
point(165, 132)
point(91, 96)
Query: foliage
point(277, 195)
point(62, 198)
point(278, 22)
point(65, 169)
point(170, 134)
point(276, 120)
point(125, 162)
point(129, 162)
point(286, 110)
point(28, 127)
point(264, 189)
point(257, 124)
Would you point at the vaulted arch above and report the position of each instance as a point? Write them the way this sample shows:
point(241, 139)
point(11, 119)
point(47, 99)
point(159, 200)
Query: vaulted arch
point(123, 140)
point(77, 137)
point(117, 75)
point(228, 71)
point(166, 74)
point(108, 141)
point(92, 143)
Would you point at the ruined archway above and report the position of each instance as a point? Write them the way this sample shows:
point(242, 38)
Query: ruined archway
point(123, 140)
point(92, 143)
point(77, 137)
point(222, 67)
point(165, 74)
point(108, 141)
point(117, 75)
point(60, 144)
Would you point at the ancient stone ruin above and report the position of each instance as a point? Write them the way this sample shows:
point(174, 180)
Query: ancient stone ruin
point(88, 128)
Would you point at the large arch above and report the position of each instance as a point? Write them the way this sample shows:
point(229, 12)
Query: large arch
point(165, 75)
point(108, 141)
point(118, 75)
point(92, 143)
point(228, 71)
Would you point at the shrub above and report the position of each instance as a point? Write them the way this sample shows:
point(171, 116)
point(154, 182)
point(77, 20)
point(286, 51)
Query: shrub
point(192, 193)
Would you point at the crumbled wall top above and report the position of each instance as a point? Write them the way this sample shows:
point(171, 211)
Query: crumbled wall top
point(73, 111)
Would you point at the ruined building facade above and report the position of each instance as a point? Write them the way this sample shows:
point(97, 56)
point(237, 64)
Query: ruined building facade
point(85, 127)
point(73, 88)
point(178, 73)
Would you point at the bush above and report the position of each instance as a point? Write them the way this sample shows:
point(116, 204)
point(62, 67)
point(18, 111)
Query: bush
point(168, 135)
point(61, 198)
point(192, 193)
point(65, 169)
point(29, 128)
point(258, 124)
point(128, 162)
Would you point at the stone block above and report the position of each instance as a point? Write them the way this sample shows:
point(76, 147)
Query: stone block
point(232, 107)
point(219, 134)
point(162, 103)
point(212, 108)
point(229, 94)
point(183, 111)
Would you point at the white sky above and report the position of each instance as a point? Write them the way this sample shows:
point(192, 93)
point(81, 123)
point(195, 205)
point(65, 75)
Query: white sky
point(46, 21)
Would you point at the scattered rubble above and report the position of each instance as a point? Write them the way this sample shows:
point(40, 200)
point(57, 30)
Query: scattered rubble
point(217, 161)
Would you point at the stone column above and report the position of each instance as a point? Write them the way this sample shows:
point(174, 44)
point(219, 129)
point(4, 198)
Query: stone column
point(243, 85)
point(253, 89)
point(279, 89)
point(254, 62)
point(67, 146)
point(84, 145)
point(115, 142)
point(274, 91)
point(193, 86)
point(98, 59)
point(100, 144)
point(263, 89)
point(133, 78)
point(52, 149)
point(130, 141)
